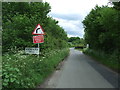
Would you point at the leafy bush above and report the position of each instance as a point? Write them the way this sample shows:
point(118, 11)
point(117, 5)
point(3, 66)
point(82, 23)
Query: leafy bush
point(10, 76)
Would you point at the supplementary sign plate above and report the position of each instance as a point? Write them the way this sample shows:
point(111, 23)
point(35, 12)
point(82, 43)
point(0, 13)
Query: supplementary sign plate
point(31, 50)
point(38, 39)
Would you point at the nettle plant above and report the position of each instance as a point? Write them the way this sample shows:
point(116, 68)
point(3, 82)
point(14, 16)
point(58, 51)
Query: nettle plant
point(11, 76)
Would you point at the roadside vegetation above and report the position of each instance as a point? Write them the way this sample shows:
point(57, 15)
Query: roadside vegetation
point(77, 43)
point(21, 70)
point(109, 60)
point(29, 71)
point(102, 33)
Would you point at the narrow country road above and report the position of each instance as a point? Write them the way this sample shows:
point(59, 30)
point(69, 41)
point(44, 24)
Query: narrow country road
point(80, 71)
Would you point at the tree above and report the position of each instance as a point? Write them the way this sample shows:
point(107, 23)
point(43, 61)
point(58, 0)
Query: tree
point(76, 41)
point(101, 29)
point(18, 25)
point(116, 5)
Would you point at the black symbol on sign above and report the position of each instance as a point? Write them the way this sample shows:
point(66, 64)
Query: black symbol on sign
point(37, 30)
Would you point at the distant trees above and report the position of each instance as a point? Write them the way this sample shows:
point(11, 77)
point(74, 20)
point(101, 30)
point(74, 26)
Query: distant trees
point(102, 29)
point(72, 39)
point(20, 19)
point(76, 41)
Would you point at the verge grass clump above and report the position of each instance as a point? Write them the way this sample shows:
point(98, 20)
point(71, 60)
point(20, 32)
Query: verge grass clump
point(110, 60)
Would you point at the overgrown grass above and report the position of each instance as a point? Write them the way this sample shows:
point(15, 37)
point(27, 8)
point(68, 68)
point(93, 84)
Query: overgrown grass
point(110, 60)
point(28, 71)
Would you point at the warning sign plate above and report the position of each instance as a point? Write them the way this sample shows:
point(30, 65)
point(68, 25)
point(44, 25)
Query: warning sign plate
point(38, 30)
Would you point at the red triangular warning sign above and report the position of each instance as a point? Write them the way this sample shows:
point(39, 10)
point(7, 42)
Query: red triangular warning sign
point(38, 30)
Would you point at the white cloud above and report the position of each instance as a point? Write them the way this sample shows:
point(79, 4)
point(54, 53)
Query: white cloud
point(70, 13)
point(73, 35)
point(72, 27)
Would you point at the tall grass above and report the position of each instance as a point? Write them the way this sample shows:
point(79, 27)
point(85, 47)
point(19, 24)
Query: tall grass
point(110, 60)
point(28, 71)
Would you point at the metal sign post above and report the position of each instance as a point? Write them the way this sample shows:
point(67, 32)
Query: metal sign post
point(38, 49)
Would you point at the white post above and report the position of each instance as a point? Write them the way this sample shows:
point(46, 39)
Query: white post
point(38, 50)
point(87, 45)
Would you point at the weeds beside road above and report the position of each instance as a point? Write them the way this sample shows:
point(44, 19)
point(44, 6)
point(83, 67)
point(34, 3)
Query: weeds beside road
point(27, 71)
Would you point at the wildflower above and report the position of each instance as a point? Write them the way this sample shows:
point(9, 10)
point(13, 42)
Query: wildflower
point(43, 57)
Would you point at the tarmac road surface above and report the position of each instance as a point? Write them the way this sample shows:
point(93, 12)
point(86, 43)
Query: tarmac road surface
point(81, 71)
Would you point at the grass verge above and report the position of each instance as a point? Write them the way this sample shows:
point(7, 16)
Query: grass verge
point(109, 60)
point(27, 71)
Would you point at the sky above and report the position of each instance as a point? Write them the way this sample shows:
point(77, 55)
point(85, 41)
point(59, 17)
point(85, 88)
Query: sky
point(71, 13)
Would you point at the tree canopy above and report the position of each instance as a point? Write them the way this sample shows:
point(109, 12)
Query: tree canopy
point(20, 19)
point(102, 29)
